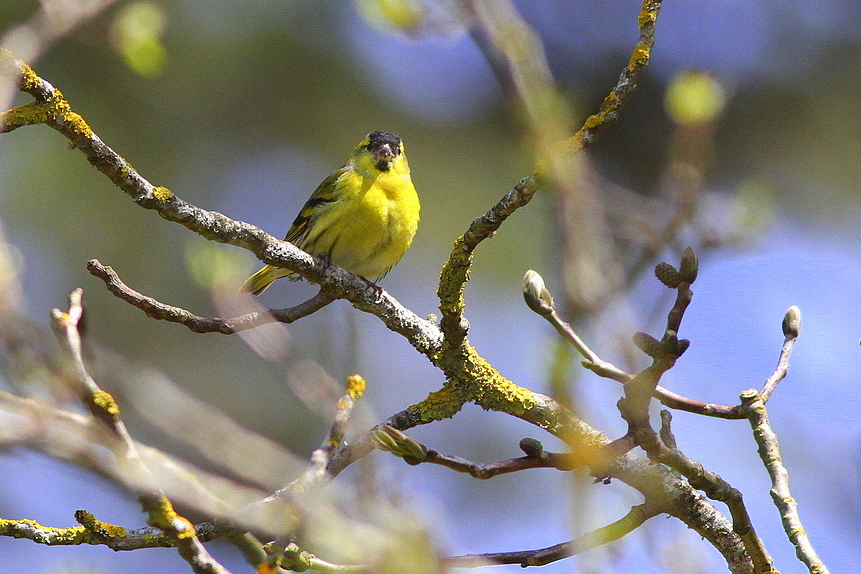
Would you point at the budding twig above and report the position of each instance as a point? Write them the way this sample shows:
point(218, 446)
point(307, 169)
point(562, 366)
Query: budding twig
point(769, 451)
point(400, 444)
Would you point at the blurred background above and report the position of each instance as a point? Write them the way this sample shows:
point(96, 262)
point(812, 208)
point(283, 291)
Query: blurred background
point(743, 140)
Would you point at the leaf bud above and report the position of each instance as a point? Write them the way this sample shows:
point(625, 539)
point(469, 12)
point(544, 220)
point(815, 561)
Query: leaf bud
point(689, 267)
point(531, 447)
point(535, 293)
point(792, 322)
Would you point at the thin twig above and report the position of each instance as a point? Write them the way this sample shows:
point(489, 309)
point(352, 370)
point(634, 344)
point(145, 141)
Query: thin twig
point(791, 329)
point(157, 310)
point(542, 304)
point(634, 408)
point(486, 470)
point(320, 458)
point(769, 451)
point(400, 444)
point(628, 523)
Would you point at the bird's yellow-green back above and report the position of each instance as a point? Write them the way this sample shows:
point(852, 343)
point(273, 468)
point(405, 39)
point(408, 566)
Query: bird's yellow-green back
point(362, 217)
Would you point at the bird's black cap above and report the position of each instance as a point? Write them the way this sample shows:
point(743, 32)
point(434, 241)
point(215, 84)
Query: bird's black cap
point(385, 146)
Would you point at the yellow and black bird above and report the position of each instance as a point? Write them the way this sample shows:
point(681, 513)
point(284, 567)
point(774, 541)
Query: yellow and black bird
point(362, 217)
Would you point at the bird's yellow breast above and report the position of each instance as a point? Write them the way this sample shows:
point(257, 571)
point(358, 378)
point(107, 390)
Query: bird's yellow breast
point(376, 217)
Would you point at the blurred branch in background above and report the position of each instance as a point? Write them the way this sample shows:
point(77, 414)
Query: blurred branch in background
point(105, 410)
point(53, 20)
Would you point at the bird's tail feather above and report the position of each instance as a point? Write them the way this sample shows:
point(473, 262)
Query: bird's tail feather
point(257, 283)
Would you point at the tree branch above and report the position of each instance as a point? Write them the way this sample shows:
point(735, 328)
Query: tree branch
point(625, 525)
point(753, 405)
point(157, 310)
point(96, 532)
point(455, 272)
point(634, 408)
point(469, 376)
point(389, 439)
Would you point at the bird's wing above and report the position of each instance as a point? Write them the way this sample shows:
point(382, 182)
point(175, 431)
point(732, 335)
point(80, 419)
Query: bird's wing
point(326, 193)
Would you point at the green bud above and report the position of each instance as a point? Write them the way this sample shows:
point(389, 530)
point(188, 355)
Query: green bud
point(383, 441)
point(392, 440)
point(792, 322)
point(689, 266)
point(531, 447)
point(536, 294)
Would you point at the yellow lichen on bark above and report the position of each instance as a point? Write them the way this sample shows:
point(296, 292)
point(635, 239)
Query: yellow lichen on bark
point(441, 404)
point(106, 402)
point(472, 378)
point(646, 17)
point(164, 517)
point(355, 386)
point(97, 527)
point(161, 193)
point(42, 534)
point(77, 123)
point(639, 57)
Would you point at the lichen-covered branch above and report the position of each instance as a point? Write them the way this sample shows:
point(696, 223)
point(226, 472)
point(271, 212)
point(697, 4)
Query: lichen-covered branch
point(661, 487)
point(96, 532)
point(627, 84)
point(769, 451)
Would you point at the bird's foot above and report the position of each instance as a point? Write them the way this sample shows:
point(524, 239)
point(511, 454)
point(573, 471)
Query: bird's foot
point(377, 290)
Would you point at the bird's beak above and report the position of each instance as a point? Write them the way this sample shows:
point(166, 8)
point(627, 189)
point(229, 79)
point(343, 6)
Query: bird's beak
point(384, 153)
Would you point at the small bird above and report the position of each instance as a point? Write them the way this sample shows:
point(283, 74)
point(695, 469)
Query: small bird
point(362, 218)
